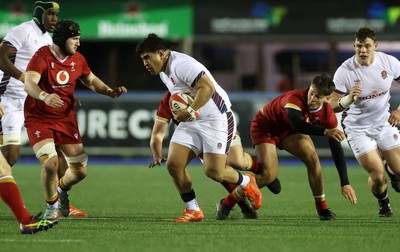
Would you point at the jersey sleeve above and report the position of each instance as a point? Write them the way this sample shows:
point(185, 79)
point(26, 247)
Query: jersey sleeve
point(339, 79)
point(189, 72)
point(85, 67)
point(294, 102)
point(16, 37)
point(396, 68)
point(164, 113)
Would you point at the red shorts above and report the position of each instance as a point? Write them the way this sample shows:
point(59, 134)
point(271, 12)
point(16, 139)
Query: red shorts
point(261, 131)
point(63, 131)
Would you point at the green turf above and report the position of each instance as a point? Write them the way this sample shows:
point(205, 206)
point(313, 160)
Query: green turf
point(131, 207)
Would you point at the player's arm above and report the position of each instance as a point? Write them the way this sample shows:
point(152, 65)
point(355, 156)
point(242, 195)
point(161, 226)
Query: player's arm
point(157, 136)
point(205, 90)
point(340, 102)
point(31, 87)
point(341, 166)
point(6, 52)
point(95, 84)
point(298, 124)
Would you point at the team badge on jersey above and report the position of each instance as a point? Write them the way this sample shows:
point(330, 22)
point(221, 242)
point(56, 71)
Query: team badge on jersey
point(384, 74)
point(62, 77)
point(72, 66)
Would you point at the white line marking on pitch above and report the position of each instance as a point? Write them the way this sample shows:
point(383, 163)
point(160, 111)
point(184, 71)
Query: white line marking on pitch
point(44, 241)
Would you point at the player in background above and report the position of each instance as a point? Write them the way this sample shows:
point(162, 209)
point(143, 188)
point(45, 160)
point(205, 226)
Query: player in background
point(16, 49)
point(363, 85)
point(50, 82)
point(207, 126)
point(10, 194)
point(237, 158)
point(286, 122)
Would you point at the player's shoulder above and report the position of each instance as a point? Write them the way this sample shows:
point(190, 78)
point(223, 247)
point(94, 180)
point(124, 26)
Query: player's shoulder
point(26, 27)
point(381, 56)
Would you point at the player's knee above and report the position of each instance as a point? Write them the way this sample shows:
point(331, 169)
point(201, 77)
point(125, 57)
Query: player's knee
point(215, 175)
point(11, 153)
point(45, 156)
point(78, 164)
point(234, 162)
point(376, 180)
point(311, 159)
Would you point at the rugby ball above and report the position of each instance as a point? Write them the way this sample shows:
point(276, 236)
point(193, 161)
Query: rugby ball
point(180, 101)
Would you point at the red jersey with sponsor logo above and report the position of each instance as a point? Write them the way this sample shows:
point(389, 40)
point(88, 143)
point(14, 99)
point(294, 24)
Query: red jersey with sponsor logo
point(278, 123)
point(57, 76)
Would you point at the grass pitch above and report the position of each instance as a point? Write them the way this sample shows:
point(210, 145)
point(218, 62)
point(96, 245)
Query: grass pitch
point(130, 209)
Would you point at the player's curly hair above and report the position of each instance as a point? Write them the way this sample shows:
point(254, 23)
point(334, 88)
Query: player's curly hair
point(364, 33)
point(152, 43)
point(323, 84)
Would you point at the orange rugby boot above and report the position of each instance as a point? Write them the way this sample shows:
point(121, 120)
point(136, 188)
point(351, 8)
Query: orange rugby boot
point(75, 212)
point(253, 193)
point(190, 216)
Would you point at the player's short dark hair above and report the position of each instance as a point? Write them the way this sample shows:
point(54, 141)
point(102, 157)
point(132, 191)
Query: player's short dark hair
point(364, 33)
point(152, 43)
point(323, 84)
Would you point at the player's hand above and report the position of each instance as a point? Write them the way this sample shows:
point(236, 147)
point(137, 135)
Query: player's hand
point(53, 100)
point(355, 91)
point(181, 115)
point(157, 162)
point(336, 134)
point(118, 91)
point(394, 118)
point(349, 193)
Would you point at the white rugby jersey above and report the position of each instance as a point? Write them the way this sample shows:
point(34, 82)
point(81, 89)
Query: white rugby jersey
point(181, 75)
point(372, 107)
point(26, 38)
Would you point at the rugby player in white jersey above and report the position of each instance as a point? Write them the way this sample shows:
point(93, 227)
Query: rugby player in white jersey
point(207, 126)
point(363, 85)
point(16, 50)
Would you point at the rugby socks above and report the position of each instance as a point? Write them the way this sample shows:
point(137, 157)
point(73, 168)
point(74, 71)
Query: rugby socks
point(62, 186)
point(229, 187)
point(243, 180)
point(382, 197)
point(11, 195)
point(233, 198)
point(253, 165)
point(190, 200)
point(320, 202)
point(53, 200)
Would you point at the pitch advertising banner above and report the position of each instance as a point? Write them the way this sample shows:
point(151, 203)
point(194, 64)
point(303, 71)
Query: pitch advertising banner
point(110, 20)
point(309, 17)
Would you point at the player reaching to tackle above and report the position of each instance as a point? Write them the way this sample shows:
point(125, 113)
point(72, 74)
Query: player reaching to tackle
point(286, 122)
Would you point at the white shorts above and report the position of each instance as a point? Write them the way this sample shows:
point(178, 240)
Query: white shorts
point(12, 121)
point(384, 137)
point(208, 135)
